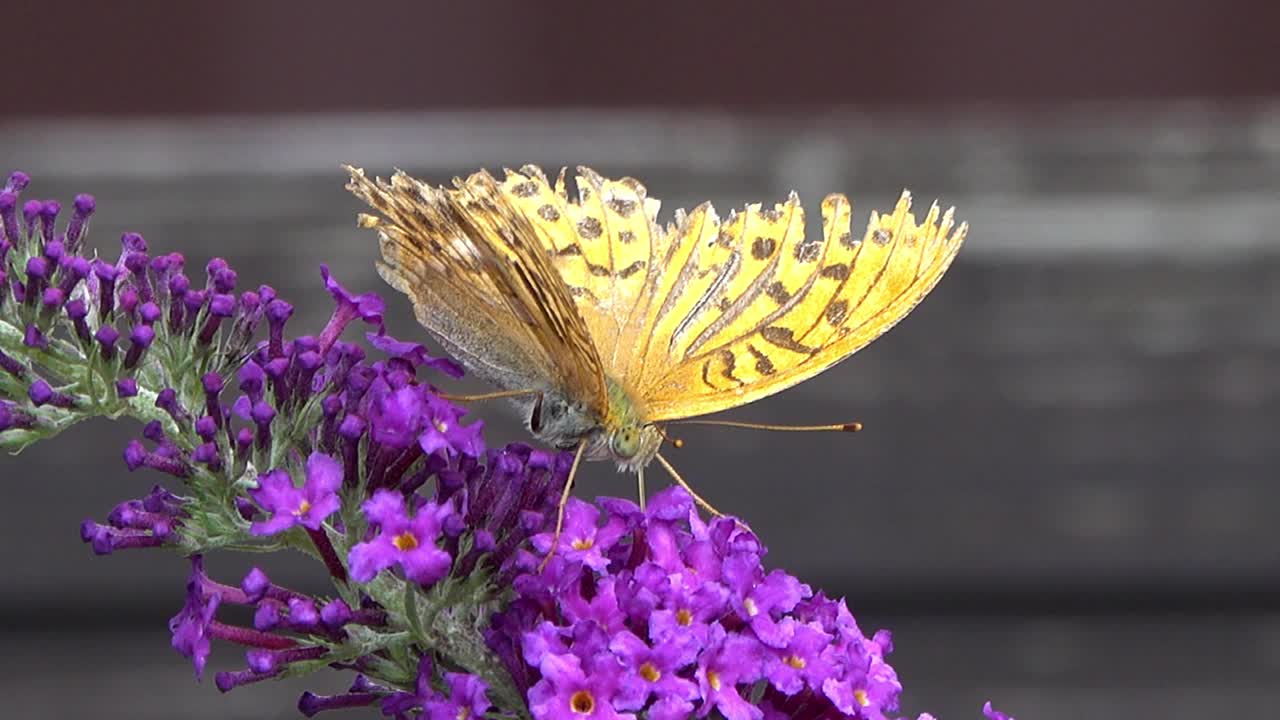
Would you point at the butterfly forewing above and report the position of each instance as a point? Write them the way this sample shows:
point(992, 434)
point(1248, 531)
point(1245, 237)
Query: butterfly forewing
point(481, 282)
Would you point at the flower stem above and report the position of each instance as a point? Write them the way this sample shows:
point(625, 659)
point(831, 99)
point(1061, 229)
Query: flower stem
point(323, 546)
point(250, 637)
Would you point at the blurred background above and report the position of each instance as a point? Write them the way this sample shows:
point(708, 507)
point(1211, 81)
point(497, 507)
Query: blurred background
point(1065, 495)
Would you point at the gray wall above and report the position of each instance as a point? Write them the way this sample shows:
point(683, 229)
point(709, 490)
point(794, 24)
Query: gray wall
point(1064, 495)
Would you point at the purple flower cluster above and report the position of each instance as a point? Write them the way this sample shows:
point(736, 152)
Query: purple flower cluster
point(150, 521)
point(658, 612)
point(288, 626)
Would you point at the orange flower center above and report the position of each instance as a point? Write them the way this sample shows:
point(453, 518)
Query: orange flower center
point(441, 425)
point(796, 662)
point(861, 697)
point(649, 672)
point(464, 713)
point(713, 679)
point(684, 617)
point(582, 702)
point(405, 541)
point(582, 544)
point(303, 507)
point(750, 605)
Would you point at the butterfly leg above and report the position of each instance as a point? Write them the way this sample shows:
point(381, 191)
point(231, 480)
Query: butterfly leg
point(680, 481)
point(640, 487)
point(564, 500)
point(487, 396)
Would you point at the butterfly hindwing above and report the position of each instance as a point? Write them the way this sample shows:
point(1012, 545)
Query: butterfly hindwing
point(799, 313)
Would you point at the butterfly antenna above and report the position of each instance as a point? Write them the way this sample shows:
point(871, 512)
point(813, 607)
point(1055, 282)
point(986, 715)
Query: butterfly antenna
point(676, 442)
point(564, 500)
point(836, 427)
point(680, 481)
point(486, 396)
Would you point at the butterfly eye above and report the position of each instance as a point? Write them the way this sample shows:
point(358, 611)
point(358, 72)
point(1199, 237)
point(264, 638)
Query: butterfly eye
point(625, 443)
point(535, 417)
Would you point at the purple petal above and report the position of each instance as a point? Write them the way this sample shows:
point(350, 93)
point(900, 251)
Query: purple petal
point(562, 669)
point(386, 507)
point(324, 475)
point(320, 510)
point(670, 708)
point(275, 524)
point(629, 648)
point(425, 564)
point(779, 591)
point(367, 559)
point(994, 714)
point(276, 492)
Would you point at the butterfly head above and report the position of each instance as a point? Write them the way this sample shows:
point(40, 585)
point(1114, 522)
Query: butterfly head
point(631, 440)
point(633, 445)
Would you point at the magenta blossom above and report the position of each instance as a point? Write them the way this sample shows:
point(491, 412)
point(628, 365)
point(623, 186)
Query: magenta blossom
point(802, 662)
point(368, 307)
point(402, 539)
point(444, 433)
point(413, 354)
point(467, 699)
point(651, 671)
point(994, 714)
point(729, 662)
point(582, 540)
point(566, 692)
point(190, 627)
point(289, 505)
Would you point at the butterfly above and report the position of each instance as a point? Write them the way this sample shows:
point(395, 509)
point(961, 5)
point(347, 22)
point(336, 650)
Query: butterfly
point(604, 325)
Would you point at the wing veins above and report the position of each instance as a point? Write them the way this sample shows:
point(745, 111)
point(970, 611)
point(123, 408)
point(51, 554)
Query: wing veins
point(749, 294)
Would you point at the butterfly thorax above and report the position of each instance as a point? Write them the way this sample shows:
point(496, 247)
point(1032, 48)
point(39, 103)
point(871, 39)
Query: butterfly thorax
point(622, 434)
point(632, 440)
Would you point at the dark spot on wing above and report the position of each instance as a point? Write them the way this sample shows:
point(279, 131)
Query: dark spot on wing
point(807, 252)
point(730, 364)
point(838, 271)
point(764, 365)
point(784, 338)
point(589, 228)
point(836, 311)
point(623, 207)
point(777, 292)
point(763, 247)
point(631, 269)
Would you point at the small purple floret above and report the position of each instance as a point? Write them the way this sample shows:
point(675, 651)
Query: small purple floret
point(289, 505)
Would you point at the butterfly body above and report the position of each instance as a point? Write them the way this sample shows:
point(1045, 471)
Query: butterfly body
point(609, 324)
point(622, 434)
